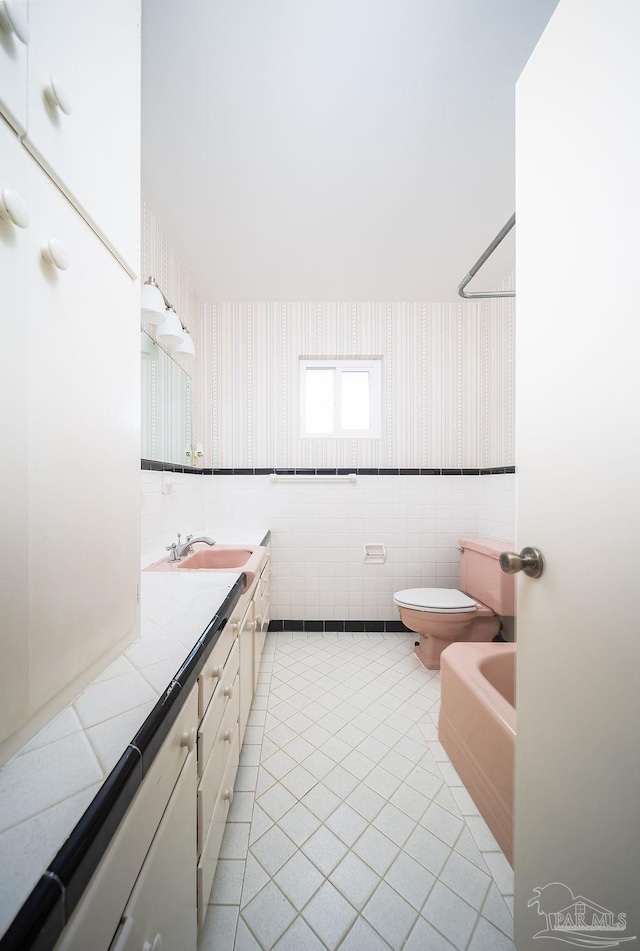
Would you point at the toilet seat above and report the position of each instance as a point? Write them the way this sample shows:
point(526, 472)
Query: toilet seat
point(436, 600)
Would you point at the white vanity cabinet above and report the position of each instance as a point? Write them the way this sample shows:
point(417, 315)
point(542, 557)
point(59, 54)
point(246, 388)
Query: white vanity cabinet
point(70, 86)
point(14, 42)
point(262, 617)
point(147, 874)
point(69, 398)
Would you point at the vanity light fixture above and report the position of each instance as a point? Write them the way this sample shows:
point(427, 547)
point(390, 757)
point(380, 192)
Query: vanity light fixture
point(186, 347)
point(156, 309)
point(152, 303)
point(170, 330)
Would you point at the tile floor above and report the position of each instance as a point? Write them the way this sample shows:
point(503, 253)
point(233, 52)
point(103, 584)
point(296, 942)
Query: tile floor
point(349, 827)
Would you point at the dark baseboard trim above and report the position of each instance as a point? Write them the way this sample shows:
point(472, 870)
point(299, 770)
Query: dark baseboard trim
point(320, 627)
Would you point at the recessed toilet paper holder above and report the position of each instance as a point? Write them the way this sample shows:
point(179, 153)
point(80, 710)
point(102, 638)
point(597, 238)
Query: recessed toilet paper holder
point(374, 553)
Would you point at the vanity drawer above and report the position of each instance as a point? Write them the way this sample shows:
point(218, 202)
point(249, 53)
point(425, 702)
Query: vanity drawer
point(95, 919)
point(210, 852)
point(210, 784)
point(212, 670)
point(223, 695)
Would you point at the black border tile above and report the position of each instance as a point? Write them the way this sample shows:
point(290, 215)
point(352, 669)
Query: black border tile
point(314, 627)
point(334, 625)
point(276, 626)
point(80, 855)
point(155, 728)
point(430, 472)
point(40, 920)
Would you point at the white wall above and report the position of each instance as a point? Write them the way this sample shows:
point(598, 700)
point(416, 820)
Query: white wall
point(318, 533)
point(180, 508)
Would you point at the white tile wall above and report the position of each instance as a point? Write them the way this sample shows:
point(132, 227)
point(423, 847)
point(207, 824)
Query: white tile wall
point(319, 530)
point(164, 515)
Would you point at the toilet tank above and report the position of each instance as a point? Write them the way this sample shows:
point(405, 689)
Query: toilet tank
point(481, 576)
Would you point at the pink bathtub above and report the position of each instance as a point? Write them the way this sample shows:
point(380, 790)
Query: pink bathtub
point(478, 728)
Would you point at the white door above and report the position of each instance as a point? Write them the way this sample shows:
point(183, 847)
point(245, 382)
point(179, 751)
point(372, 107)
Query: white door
point(577, 835)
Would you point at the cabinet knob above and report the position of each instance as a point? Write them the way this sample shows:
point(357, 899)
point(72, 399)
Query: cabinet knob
point(54, 252)
point(155, 945)
point(13, 208)
point(228, 691)
point(226, 736)
point(235, 627)
point(56, 95)
point(13, 21)
point(189, 739)
point(228, 795)
point(216, 672)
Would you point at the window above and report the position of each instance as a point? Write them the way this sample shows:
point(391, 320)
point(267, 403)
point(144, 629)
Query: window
point(340, 398)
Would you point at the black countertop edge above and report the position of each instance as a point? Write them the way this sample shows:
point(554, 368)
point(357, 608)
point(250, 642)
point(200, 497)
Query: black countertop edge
point(80, 855)
point(40, 921)
point(45, 912)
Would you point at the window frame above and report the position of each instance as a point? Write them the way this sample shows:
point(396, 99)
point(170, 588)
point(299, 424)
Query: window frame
point(340, 365)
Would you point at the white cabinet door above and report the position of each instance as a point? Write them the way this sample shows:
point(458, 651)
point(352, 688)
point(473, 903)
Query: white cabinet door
point(83, 111)
point(161, 913)
point(15, 184)
point(14, 39)
point(74, 363)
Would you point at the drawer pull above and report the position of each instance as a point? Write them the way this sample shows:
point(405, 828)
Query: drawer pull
point(12, 21)
point(54, 252)
point(235, 627)
point(228, 795)
point(216, 673)
point(13, 208)
point(228, 691)
point(155, 945)
point(189, 739)
point(56, 96)
point(226, 736)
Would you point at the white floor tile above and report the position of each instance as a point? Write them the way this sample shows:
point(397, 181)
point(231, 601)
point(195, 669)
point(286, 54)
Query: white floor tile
point(362, 937)
point(255, 878)
point(235, 842)
point(465, 880)
point(376, 850)
point(442, 823)
point(219, 928)
point(394, 823)
point(268, 916)
point(324, 849)
point(497, 912)
point(410, 879)
point(299, 823)
point(501, 871)
point(346, 823)
point(244, 939)
point(427, 849)
point(321, 801)
point(390, 915)
point(450, 915)
point(366, 801)
point(276, 801)
point(424, 937)
point(299, 937)
point(227, 884)
point(488, 938)
point(298, 880)
point(273, 849)
point(329, 915)
point(355, 880)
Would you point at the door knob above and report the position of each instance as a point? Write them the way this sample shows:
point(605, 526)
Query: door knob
point(529, 560)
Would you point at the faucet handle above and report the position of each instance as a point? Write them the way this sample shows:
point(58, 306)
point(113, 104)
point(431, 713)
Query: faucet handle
point(172, 549)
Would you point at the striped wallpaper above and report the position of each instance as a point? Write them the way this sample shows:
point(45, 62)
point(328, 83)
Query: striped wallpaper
point(448, 376)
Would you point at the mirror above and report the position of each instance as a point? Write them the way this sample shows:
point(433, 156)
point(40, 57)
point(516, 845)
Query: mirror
point(166, 406)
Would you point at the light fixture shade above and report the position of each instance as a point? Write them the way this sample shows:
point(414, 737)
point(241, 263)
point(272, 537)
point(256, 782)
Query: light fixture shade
point(186, 347)
point(170, 330)
point(152, 307)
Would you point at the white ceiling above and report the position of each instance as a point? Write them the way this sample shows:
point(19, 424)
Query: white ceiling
point(333, 149)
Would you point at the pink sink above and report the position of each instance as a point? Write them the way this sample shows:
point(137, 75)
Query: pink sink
point(218, 558)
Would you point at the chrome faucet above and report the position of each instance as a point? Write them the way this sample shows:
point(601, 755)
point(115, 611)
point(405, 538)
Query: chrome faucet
point(180, 549)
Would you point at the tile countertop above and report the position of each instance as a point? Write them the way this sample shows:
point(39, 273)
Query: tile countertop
point(47, 786)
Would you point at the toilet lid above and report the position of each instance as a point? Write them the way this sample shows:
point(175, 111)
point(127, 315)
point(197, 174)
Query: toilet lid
point(438, 600)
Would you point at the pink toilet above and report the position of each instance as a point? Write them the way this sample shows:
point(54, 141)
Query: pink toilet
point(443, 615)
